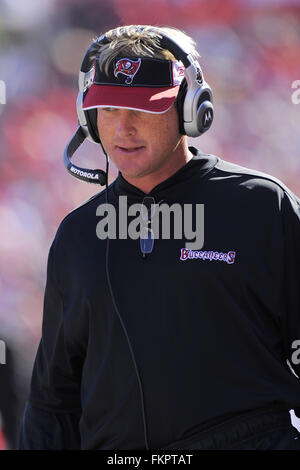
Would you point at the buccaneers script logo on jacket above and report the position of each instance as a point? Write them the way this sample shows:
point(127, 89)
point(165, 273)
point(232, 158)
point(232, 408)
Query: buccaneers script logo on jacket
point(127, 67)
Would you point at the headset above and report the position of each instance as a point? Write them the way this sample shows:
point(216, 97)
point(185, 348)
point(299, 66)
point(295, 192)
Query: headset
point(194, 103)
point(195, 112)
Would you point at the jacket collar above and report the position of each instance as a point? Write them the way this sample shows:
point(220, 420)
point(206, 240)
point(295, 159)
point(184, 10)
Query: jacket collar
point(200, 162)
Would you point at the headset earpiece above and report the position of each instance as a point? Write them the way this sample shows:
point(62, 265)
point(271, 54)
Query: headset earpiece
point(179, 105)
point(203, 113)
point(91, 121)
point(87, 119)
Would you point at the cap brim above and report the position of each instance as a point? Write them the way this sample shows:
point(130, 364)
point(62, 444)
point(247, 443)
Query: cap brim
point(147, 99)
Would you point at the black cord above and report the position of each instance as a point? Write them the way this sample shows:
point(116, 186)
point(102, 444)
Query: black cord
point(121, 321)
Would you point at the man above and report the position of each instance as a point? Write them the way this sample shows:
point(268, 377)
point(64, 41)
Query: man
point(148, 343)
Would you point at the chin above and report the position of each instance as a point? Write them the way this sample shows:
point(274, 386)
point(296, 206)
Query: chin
point(133, 174)
point(134, 171)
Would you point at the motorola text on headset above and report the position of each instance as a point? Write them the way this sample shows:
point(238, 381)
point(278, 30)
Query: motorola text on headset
point(194, 104)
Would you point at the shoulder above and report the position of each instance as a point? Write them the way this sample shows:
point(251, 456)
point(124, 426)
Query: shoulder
point(81, 221)
point(253, 183)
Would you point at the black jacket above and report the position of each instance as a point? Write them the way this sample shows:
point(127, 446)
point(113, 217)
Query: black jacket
point(190, 342)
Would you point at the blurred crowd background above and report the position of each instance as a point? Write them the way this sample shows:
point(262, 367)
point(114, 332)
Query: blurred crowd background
point(250, 52)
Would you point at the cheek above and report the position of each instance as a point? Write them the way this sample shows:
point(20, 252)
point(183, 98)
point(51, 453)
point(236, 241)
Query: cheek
point(171, 124)
point(167, 131)
point(105, 134)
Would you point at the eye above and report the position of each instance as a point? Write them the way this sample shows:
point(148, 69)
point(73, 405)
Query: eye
point(109, 109)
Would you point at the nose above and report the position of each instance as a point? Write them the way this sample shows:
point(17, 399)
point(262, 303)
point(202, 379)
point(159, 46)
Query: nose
point(125, 123)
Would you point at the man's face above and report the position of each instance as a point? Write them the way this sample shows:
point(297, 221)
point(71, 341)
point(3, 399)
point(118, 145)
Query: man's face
point(139, 143)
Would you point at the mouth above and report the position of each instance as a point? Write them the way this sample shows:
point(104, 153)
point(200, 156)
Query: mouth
point(130, 150)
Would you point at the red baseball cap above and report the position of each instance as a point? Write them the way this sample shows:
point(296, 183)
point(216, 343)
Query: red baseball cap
point(143, 84)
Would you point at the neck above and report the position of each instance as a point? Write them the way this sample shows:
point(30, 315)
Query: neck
point(172, 163)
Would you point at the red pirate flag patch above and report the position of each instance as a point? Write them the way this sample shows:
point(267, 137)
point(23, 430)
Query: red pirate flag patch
point(127, 67)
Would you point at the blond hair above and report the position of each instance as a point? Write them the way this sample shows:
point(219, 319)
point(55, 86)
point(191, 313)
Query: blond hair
point(139, 41)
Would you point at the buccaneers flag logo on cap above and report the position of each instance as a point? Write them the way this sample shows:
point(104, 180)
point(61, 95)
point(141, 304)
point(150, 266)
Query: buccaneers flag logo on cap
point(127, 67)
